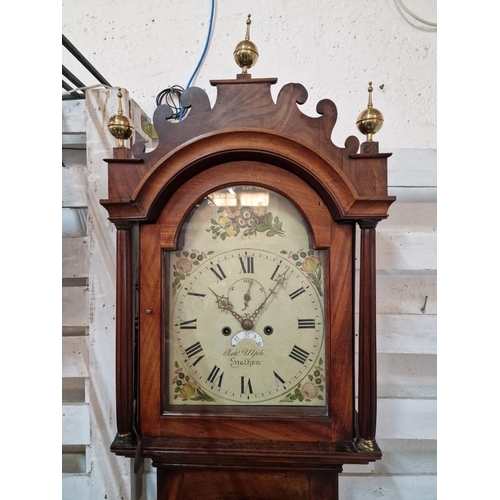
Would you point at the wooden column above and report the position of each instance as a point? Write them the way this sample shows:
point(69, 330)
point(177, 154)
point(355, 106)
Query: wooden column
point(124, 336)
point(367, 378)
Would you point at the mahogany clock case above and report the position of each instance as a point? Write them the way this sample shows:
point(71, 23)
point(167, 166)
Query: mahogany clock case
point(246, 139)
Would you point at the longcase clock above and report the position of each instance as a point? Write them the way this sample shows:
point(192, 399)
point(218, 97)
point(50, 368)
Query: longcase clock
point(235, 339)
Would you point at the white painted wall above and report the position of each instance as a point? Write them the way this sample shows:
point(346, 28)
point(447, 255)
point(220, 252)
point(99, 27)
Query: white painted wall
point(333, 50)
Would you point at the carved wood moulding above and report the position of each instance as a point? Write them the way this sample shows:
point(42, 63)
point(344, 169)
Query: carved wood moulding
point(246, 124)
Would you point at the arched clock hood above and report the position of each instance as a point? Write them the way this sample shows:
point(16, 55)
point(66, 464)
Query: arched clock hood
point(245, 123)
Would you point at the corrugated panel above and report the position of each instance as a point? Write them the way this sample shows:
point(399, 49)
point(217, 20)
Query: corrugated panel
point(406, 339)
point(405, 292)
point(74, 183)
point(415, 210)
point(411, 487)
point(406, 418)
point(74, 141)
point(75, 260)
point(407, 376)
point(75, 424)
point(74, 116)
point(74, 459)
point(75, 306)
point(413, 167)
point(407, 456)
point(74, 390)
point(75, 357)
point(406, 333)
point(74, 222)
point(405, 250)
point(76, 487)
point(412, 376)
point(401, 456)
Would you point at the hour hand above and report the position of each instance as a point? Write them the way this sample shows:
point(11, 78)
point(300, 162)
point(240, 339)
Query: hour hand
point(222, 302)
point(224, 305)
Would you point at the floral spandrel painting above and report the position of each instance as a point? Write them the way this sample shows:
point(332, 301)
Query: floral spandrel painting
point(245, 221)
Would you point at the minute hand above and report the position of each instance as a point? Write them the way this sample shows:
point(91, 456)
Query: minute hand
point(279, 281)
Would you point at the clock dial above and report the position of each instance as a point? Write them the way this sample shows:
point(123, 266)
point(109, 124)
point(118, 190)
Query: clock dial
point(246, 324)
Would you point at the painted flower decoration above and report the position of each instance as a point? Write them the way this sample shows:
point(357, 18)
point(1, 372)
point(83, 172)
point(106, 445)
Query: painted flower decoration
point(310, 264)
point(259, 211)
point(252, 222)
point(246, 221)
point(246, 213)
point(183, 265)
point(223, 221)
point(232, 230)
point(187, 390)
point(309, 390)
point(241, 221)
point(232, 212)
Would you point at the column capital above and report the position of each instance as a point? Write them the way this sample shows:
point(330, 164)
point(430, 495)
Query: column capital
point(123, 225)
point(368, 223)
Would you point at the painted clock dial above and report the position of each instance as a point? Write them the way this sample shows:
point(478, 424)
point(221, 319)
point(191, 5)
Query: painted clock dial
point(245, 305)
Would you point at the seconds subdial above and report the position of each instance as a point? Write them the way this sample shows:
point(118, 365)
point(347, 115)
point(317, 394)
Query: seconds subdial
point(246, 294)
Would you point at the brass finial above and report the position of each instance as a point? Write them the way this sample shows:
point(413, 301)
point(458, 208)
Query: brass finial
point(246, 53)
point(370, 120)
point(119, 125)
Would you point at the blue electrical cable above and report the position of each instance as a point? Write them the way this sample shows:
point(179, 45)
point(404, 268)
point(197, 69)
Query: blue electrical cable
point(210, 25)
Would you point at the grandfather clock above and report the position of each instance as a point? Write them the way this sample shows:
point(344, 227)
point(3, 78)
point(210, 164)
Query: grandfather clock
point(235, 332)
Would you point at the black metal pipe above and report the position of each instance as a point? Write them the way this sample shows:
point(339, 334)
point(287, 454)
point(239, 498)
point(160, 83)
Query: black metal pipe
point(73, 95)
point(76, 53)
point(71, 77)
point(66, 86)
point(69, 97)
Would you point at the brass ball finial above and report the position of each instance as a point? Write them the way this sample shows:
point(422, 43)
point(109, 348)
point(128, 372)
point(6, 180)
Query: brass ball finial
point(246, 53)
point(119, 125)
point(370, 120)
